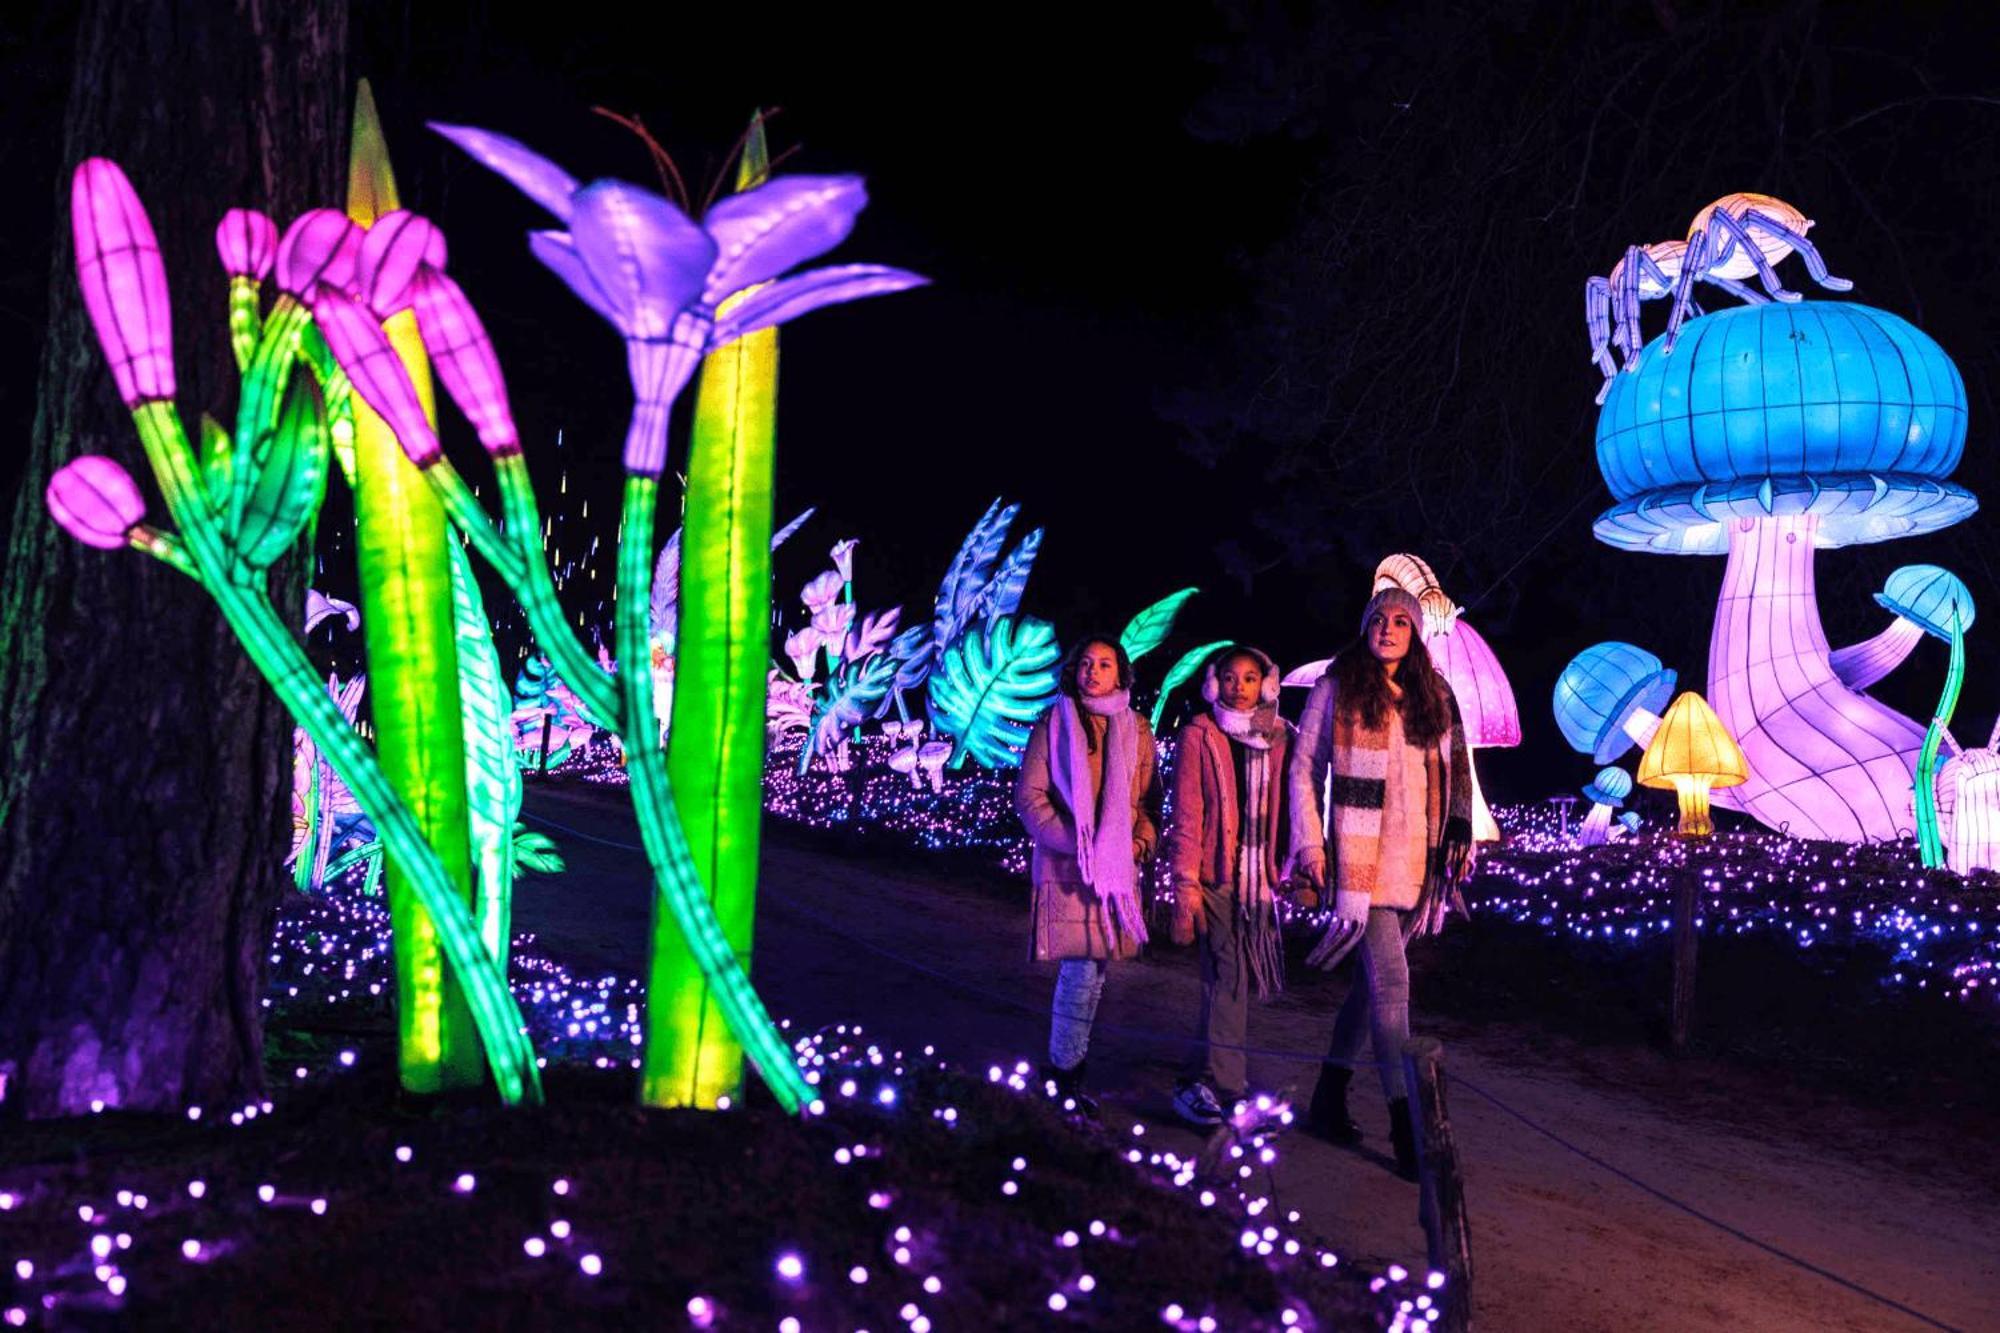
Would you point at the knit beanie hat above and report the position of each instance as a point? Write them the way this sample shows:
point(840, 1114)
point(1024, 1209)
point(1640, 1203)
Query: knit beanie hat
point(1396, 599)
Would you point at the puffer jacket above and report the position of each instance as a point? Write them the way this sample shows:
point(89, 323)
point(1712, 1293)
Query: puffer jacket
point(1069, 920)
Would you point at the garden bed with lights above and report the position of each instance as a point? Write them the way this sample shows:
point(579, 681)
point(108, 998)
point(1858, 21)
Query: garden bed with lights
point(920, 1197)
point(345, 1207)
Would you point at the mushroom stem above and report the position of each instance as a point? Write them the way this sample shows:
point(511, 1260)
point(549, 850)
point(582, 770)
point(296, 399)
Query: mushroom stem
point(1596, 829)
point(1692, 791)
point(1484, 828)
point(1824, 761)
point(1860, 665)
point(1640, 726)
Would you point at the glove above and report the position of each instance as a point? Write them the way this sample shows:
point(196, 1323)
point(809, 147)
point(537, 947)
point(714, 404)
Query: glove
point(1310, 865)
point(1350, 922)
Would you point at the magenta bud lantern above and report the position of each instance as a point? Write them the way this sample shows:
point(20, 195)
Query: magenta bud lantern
point(320, 247)
point(395, 247)
point(357, 342)
point(247, 242)
point(95, 501)
point(124, 281)
point(463, 354)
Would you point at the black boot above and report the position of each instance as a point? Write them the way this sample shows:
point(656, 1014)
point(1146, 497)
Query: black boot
point(1327, 1118)
point(1068, 1089)
point(1404, 1136)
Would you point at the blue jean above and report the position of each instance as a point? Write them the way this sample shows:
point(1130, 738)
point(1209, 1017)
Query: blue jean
point(1079, 986)
point(1378, 1003)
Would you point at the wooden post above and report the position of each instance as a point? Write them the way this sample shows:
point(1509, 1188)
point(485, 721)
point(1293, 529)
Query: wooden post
point(1680, 1016)
point(1441, 1188)
point(548, 724)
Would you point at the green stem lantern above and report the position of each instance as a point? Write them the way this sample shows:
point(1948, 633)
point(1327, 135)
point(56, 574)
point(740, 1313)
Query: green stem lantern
point(1930, 842)
point(715, 757)
point(407, 627)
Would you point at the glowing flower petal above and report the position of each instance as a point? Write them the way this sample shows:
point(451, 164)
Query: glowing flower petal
point(395, 247)
point(247, 242)
point(95, 501)
point(529, 172)
point(777, 226)
point(321, 246)
point(788, 298)
point(356, 339)
point(124, 281)
point(643, 253)
point(463, 355)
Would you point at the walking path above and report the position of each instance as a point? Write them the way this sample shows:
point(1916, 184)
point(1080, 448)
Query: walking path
point(1558, 1241)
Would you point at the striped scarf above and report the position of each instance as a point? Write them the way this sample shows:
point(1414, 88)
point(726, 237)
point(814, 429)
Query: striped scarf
point(1256, 901)
point(1360, 761)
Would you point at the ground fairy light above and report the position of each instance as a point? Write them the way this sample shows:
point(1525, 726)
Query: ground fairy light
point(95, 1241)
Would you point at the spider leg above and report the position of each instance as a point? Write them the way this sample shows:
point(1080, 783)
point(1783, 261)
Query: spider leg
point(1597, 319)
point(1741, 236)
point(1747, 295)
point(1630, 336)
point(1807, 250)
point(1694, 265)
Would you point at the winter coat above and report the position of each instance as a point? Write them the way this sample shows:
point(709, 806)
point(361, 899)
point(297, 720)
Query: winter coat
point(1069, 919)
point(1356, 759)
point(1202, 835)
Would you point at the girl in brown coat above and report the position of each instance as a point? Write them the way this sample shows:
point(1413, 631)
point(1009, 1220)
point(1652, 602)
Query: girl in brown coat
point(1224, 844)
point(1084, 794)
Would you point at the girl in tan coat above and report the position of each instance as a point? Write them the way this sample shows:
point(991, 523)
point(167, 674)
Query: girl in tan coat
point(1085, 794)
point(1224, 844)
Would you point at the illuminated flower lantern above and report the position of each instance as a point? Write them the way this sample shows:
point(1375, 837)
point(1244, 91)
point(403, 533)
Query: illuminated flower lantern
point(1770, 432)
point(1609, 697)
point(1693, 752)
point(1921, 598)
point(1606, 792)
point(1485, 702)
point(1969, 801)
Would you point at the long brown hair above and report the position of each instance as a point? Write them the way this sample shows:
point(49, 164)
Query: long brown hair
point(1362, 688)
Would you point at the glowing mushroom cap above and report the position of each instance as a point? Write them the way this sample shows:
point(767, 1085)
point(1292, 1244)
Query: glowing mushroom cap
point(1630, 819)
point(1485, 699)
point(1601, 688)
point(1822, 407)
point(1693, 743)
point(1926, 596)
point(1610, 787)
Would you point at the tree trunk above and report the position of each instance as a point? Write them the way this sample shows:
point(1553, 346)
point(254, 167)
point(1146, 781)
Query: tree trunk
point(145, 769)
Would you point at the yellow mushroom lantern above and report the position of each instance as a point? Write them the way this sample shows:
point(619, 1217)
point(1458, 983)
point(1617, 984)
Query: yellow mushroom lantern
point(1691, 752)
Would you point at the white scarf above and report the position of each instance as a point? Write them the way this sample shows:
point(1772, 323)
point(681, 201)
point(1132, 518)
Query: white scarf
point(1104, 824)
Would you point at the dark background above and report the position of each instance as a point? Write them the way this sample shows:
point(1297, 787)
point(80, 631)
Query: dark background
point(1238, 295)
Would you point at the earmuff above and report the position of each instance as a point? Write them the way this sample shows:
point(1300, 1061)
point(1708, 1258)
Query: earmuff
point(1267, 693)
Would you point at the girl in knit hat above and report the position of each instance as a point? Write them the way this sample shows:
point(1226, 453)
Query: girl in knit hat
point(1393, 846)
point(1224, 845)
point(1086, 792)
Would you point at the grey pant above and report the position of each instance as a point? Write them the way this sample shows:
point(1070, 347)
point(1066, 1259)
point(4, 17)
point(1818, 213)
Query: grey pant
point(1378, 1003)
point(1223, 1022)
point(1079, 986)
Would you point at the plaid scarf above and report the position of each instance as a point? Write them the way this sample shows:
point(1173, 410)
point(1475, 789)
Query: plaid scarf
point(1256, 904)
point(1360, 761)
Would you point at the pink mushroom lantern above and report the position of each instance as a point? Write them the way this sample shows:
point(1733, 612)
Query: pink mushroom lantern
point(1969, 806)
point(1485, 702)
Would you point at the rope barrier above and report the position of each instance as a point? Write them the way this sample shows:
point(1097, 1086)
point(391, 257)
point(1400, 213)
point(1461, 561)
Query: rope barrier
point(1015, 1003)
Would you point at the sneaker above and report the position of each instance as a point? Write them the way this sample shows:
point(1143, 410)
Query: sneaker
point(1196, 1103)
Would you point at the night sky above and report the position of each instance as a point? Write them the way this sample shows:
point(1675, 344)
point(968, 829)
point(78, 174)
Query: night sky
point(1164, 253)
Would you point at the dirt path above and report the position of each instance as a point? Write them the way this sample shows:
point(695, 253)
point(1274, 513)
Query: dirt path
point(1559, 1242)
